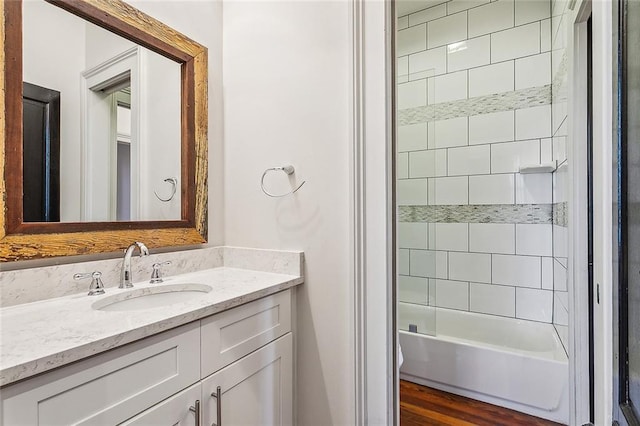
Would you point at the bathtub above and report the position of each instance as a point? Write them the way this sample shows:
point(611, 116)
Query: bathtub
point(512, 363)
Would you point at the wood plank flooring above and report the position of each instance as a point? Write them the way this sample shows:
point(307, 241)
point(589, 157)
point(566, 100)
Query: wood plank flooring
point(423, 406)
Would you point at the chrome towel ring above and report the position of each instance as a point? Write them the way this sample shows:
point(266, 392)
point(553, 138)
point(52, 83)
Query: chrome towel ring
point(289, 170)
point(174, 187)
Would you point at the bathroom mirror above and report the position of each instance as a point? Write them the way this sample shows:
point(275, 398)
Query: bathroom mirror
point(105, 130)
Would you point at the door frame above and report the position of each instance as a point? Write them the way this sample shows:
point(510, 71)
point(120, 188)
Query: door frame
point(580, 336)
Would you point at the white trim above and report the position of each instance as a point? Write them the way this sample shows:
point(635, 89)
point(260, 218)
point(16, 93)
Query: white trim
point(371, 183)
point(603, 56)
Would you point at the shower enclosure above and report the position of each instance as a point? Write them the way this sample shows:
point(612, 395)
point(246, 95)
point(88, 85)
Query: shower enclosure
point(482, 200)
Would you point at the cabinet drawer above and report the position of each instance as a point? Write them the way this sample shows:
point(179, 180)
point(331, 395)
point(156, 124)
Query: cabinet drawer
point(230, 335)
point(175, 411)
point(109, 388)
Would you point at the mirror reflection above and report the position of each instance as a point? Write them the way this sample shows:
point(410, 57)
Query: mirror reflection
point(102, 128)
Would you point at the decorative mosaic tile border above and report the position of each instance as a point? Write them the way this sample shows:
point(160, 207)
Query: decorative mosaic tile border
point(518, 99)
point(495, 213)
point(560, 214)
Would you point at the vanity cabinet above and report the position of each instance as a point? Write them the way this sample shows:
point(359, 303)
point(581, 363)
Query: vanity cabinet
point(246, 350)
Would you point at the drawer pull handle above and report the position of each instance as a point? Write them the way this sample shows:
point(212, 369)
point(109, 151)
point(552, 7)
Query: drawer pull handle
point(196, 410)
point(218, 396)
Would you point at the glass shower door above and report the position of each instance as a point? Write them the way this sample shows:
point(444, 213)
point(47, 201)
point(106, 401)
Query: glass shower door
point(627, 409)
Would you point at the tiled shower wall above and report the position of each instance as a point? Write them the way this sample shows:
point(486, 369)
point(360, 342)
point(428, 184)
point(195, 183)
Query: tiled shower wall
point(474, 105)
point(559, 21)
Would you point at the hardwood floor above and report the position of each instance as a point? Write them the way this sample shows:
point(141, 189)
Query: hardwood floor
point(422, 406)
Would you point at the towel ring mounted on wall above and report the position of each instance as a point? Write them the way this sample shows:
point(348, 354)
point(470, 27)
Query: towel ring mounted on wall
point(289, 170)
point(174, 187)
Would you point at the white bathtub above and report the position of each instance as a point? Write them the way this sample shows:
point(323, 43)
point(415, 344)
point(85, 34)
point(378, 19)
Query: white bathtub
point(512, 363)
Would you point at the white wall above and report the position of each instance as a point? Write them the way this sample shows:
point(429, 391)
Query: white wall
point(202, 21)
point(54, 47)
point(287, 93)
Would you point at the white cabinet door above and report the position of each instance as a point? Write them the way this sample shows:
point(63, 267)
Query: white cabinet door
point(179, 410)
point(109, 388)
point(256, 390)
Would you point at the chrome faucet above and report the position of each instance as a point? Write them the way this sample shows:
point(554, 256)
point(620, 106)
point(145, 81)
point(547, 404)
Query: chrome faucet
point(125, 278)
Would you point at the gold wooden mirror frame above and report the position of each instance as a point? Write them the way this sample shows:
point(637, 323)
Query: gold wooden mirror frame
point(29, 240)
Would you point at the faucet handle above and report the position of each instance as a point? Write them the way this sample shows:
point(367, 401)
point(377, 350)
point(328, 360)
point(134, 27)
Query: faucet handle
point(156, 274)
point(96, 287)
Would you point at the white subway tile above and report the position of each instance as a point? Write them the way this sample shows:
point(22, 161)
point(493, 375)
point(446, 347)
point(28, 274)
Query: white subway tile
point(491, 189)
point(469, 160)
point(403, 22)
point(449, 191)
point(490, 18)
point(403, 262)
point(422, 163)
point(412, 192)
point(429, 163)
point(508, 157)
point(412, 40)
point(535, 305)
point(432, 60)
point(533, 188)
point(469, 53)
point(533, 123)
point(452, 294)
point(560, 149)
point(492, 238)
point(412, 289)
point(519, 271)
point(561, 244)
point(515, 42)
point(428, 263)
point(403, 165)
point(449, 87)
point(450, 133)
point(545, 35)
point(533, 71)
point(492, 299)
point(561, 184)
point(470, 267)
point(560, 312)
point(534, 239)
point(423, 317)
point(491, 128)
point(412, 235)
point(559, 276)
point(412, 137)
point(412, 94)
point(429, 14)
point(452, 236)
point(441, 162)
point(547, 273)
point(491, 79)
point(431, 301)
point(456, 6)
point(403, 66)
point(532, 10)
point(447, 30)
point(546, 150)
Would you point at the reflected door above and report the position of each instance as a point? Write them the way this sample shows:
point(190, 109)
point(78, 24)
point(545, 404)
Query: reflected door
point(41, 159)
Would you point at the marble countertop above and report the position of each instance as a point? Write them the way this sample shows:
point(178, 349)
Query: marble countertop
point(40, 336)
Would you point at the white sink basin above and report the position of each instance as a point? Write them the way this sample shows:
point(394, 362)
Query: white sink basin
point(151, 297)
